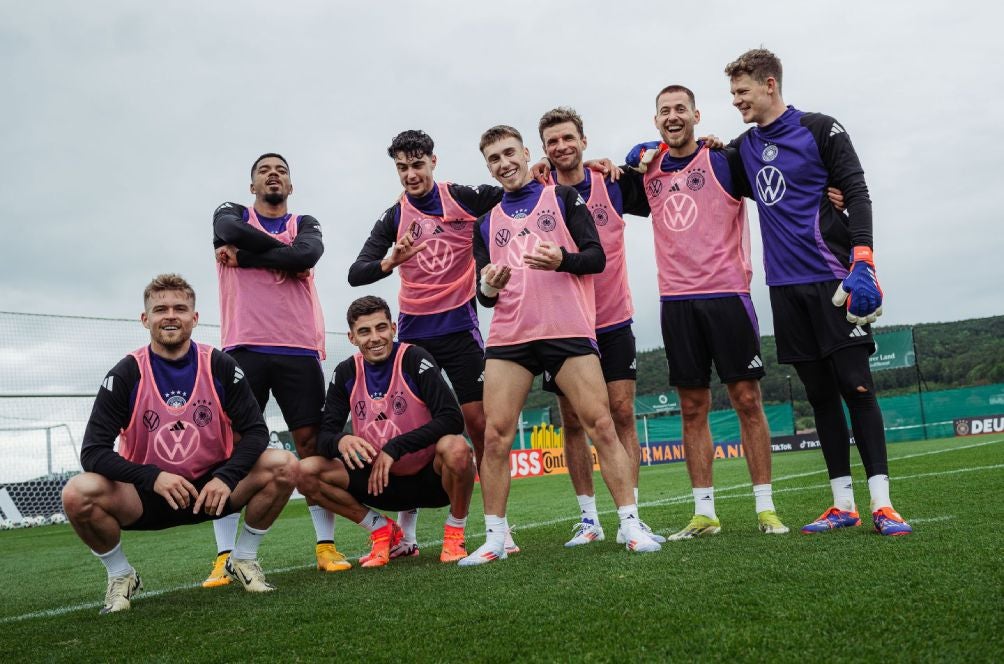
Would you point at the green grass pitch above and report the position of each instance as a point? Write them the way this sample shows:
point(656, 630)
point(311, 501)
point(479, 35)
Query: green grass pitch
point(937, 595)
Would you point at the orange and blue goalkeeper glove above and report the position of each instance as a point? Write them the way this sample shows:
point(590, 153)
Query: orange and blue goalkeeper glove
point(860, 290)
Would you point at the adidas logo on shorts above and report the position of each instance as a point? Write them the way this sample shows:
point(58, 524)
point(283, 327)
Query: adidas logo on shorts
point(756, 363)
point(858, 332)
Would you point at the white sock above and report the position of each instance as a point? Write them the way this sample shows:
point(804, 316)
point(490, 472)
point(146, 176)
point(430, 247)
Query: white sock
point(114, 561)
point(587, 506)
point(636, 495)
point(704, 502)
point(843, 493)
point(878, 486)
point(628, 515)
point(247, 543)
point(324, 523)
point(225, 529)
point(455, 522)
point(408, 522)
point(496, 528)
point(763, 496)
point(373, 521)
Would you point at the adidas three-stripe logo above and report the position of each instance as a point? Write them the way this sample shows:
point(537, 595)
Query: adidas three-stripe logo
point(755, 363)
point(423, 365)
point(836, 129)
point(108, 382)
point(858, 332)
point(238, 374)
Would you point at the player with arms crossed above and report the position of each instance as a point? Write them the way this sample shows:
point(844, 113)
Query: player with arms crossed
point(813, 255)
point(429, 230)
point(406, 450)
point(564, 143)
point(192, 447)
point(273, 325)
point(703, 257)
point(535, 252)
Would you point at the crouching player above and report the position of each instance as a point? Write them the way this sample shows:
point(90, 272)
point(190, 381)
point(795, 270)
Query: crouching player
point(179, 409)
point(406, 450)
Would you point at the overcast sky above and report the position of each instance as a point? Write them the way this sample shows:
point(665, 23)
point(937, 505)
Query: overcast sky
point(125, 124)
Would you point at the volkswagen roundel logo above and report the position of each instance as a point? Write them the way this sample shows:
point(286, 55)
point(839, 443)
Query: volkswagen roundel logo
point(695, 180)
point(151, 420)
point(654, 188)
point(769, 152)
point(546, 222)
point(679, 212)
point(600, 215)
point(502, 237)
point(360, 409)
point(770, 185)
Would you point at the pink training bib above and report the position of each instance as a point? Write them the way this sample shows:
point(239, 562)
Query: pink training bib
point(186, 440)
point(400, 410)
point(262, 307)
point(441, 277)
point(702, 242)
point(537, 304)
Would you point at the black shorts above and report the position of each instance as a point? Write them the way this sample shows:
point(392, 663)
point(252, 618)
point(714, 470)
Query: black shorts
point(808, 327)
point(544, 356)
point(403, 492)
point(158, 515)
point(462, 356)
point(617, 358)
point(296, 382)
point(723, 330)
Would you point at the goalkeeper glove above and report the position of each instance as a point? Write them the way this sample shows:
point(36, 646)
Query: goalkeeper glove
point(860, 290)
point(642, 155)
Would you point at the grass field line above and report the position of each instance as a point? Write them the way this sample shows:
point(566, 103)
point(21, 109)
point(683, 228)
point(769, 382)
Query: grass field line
point(59, 611)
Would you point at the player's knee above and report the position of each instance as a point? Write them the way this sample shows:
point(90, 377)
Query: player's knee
point(310, 476)
point(622, 413)
point(601, 429)
point(694, 410)
point(747, 403)
point(287, 472)
point(79, 496)
point(455, 453)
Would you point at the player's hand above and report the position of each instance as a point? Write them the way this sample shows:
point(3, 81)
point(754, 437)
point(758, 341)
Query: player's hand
point(541, 171)
point(175, 489)
point(712, 142)
point(403, 249)
point(642, 155)
point(380, 475)
point(212, 498)
point(605, 166)
point(355, 451)
point(227, 255)
point(494, 278)
point(836, 198)
point(545, 256)
point(860, 290)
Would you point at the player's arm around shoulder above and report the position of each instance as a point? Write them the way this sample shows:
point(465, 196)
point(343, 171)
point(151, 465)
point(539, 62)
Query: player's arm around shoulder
point(478, 200)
